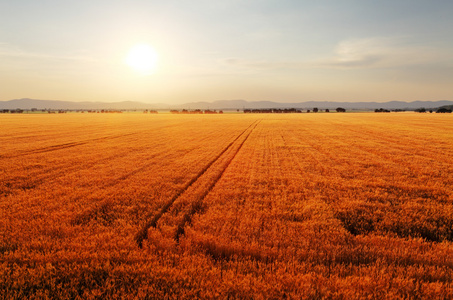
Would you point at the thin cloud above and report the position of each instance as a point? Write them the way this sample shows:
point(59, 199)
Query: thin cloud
point(381, 53)
point(365, 53)
point(15, 52)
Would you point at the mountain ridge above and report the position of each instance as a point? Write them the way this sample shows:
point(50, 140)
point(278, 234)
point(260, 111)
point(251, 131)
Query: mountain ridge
point(26, 103)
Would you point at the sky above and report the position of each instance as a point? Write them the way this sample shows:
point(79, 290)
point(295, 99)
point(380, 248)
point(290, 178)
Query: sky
point(275, 50)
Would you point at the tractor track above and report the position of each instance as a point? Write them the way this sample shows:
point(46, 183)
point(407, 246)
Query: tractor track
point(153, 218)
point(195, 207)
point(37, 178)
point(77, 143)
point(65, 146)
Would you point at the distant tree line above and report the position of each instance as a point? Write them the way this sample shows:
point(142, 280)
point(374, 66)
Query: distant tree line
point(272, 111)
point(60, 111)
point(444, 109)
point(196, 111)
point(288, 110)
point(381, 110)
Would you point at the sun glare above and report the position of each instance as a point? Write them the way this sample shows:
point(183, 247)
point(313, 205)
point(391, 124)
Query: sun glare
point(143, 59)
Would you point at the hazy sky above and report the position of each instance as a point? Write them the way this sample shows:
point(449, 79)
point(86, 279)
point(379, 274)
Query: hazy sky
point(278, 50)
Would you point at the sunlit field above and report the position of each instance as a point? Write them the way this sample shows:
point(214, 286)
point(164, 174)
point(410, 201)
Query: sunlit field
point(250, 206)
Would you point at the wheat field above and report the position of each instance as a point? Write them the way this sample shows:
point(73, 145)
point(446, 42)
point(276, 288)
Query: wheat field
point(240, 206)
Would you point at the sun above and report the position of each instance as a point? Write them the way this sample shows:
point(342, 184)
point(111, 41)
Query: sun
point(142, 58)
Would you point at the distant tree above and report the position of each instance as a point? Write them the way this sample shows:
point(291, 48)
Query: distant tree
point(315, 109)
point(327, 110)
point(340, 109)
point(445, 109)
point(420, 110)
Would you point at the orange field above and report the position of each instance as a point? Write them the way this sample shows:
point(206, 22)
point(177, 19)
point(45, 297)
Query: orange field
point(304, 206)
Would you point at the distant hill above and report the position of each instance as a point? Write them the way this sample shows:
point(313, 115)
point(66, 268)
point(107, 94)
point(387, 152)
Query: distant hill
point(240, 104)
point(69, 105)
point(221, 104)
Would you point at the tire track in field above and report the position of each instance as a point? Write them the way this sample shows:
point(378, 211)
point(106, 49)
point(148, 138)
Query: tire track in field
point(35, 179)
point(78, 143)
point(44, 173)
point(195, 207)
point(101, 209)
point(145, 166)
point(65, 146)
point(153, 218)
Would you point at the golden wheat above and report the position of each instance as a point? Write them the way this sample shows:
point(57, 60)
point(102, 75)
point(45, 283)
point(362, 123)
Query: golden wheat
point(343, 206)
